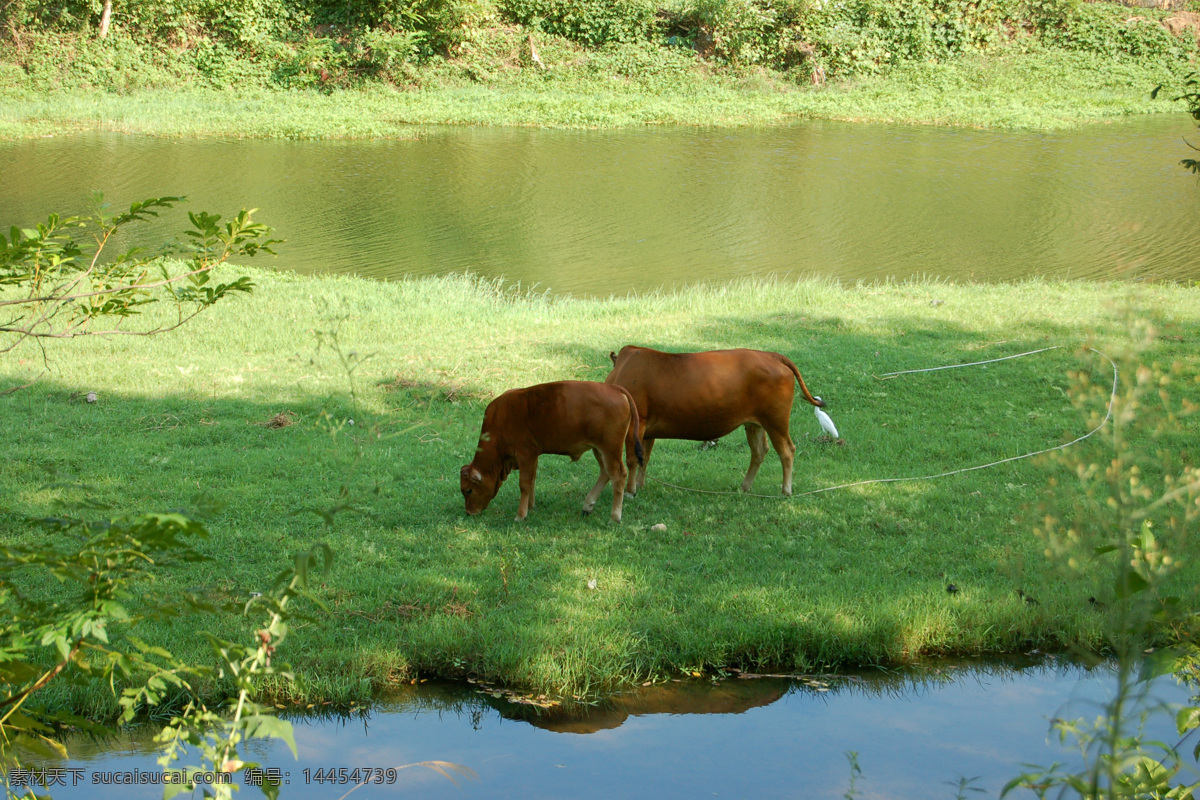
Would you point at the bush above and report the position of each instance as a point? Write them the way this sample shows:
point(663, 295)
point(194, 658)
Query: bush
point(317, 61)
point(119, 63)
point(1106, 30)
point(219, 65)
point(856, 36)
point(589, 22)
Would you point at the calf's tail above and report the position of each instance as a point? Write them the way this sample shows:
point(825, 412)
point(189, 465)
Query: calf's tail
point(803, 389)
point(632, 437)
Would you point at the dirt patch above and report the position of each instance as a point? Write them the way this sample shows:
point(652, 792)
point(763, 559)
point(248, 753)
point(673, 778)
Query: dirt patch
point(1183, 23)
point(281, 420)
point(448, 389)
point(407, 611)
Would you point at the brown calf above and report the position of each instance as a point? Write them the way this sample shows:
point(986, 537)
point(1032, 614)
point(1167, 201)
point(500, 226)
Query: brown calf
point(565, 418)
point(704, 396)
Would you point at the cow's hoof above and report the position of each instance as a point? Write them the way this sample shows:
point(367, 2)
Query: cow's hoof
point(616, 517)
point(630, 495)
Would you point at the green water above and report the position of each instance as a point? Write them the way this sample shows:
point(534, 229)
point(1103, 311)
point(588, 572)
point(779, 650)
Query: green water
point(600, 212)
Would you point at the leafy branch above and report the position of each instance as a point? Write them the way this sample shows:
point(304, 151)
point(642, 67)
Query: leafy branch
point(1123, 515)
point(106, 567)
point(1191, 96)
point(52, 287)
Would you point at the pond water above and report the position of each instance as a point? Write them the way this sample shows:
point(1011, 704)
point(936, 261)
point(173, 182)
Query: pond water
point(915, 736)
point(600, 212)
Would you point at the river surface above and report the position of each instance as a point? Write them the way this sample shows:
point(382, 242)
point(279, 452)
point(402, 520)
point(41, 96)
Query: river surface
point(600, 212)
point(915, 736)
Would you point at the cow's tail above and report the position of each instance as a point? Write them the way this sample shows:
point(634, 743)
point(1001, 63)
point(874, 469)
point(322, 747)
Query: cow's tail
point(632, 438)
point(804, 389)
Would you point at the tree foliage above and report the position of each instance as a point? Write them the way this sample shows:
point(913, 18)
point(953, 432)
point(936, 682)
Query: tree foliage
point(52, 286)
point(1192, 98)
point(102, 563)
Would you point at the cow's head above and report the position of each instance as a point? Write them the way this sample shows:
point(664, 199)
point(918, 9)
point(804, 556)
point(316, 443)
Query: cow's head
point(477, 489)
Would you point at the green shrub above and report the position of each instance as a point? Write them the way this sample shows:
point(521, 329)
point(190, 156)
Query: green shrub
point(317, 62)
point(1106, 30)
point(590, 22)
point(444, 25)
point(389, 50)
point(217, 64)
point(12, 76)
point(643, 62)
point(119, 63)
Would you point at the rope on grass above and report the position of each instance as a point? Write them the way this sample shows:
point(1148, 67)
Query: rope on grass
point(1107, 415)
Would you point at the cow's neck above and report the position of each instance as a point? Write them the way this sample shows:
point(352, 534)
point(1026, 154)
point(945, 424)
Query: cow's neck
point(492, 458)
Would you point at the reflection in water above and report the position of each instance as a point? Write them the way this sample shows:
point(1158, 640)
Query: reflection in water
point(736, 738)
point(599, 212)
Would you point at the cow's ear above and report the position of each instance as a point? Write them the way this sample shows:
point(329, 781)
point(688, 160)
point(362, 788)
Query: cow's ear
point(613, 356)
point(476, 475)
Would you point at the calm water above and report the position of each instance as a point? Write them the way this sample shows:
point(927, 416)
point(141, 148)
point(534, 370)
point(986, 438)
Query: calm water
point(735, 739)
point(599, 212)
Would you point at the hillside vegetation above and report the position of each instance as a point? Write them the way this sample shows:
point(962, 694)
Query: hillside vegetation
point(834, 59)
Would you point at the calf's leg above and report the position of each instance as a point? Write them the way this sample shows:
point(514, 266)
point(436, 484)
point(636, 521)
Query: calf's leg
point(619, 475)
point(528, 469)
point(611, 468)
point(589, 502)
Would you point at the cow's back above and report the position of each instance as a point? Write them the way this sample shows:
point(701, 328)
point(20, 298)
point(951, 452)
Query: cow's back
point(702, 395)
point(570, 417)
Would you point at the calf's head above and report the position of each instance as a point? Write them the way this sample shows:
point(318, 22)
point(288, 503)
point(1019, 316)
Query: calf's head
point(477, 489)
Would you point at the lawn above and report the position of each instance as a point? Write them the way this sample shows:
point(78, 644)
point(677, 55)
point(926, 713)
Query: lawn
point(382, 388)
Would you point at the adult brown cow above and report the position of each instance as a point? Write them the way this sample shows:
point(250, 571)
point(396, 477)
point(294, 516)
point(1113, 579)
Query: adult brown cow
point(565, 418)
point(704, 396)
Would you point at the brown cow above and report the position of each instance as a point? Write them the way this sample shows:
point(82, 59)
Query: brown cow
point(704, 396)
point(565, 418)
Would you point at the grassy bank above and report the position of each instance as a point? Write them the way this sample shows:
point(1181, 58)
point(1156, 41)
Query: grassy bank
point(360, 69)
point(1045, 91)
point(849, 577)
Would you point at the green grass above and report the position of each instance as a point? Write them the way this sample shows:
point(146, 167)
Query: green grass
point(845, 578)
point(1039, 90)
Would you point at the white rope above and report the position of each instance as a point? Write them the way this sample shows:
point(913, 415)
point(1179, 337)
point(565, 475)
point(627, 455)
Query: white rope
point(1107, 415)
point(976, 363)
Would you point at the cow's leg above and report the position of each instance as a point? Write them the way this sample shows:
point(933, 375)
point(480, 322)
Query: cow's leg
point(528, 470)
point(640, 477)
point(619, 475)
point(787, 454)
point(590, 501)
point(757, 437)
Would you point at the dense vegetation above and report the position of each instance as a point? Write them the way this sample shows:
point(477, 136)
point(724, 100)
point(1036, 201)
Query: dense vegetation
point(426, 43)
